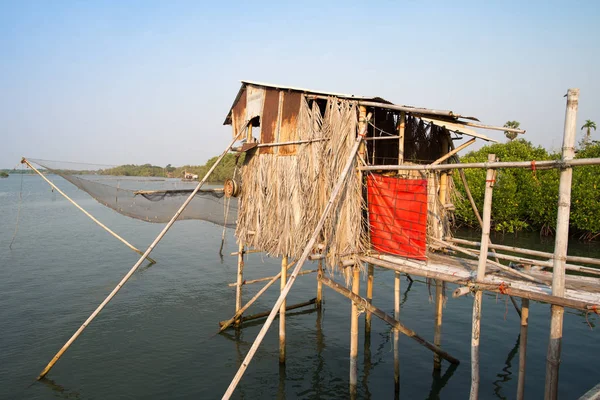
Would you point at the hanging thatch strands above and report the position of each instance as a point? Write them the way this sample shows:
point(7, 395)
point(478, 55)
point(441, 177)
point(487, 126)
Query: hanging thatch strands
point(139, 262)
point(281, 200)
point(341, 185)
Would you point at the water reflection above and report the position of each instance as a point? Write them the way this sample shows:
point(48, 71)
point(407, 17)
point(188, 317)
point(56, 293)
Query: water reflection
point(439, 381)
point(60, 390)
point(506, 374)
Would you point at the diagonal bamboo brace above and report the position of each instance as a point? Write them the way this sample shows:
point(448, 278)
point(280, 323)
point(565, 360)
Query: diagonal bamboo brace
point(385, 317)
point(139, 262)
point(106, 228)
point(311, 243)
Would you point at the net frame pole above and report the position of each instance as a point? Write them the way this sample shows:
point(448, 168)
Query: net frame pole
point(309, 246)
point(139, 262)
point(106, 228)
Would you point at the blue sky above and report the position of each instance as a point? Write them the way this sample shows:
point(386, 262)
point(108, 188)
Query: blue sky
point(151, 82)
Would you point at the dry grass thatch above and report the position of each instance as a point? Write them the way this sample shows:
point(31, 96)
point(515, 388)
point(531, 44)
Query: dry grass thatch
point(283, 196)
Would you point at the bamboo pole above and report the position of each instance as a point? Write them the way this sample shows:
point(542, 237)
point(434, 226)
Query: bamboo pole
point(319, 284)
point(266, 313)
point(401, 129)
point(368, 316)
point(437, 336)
point(418, 270)
point(477, 302)
point(138, 263)
point(240, 277)
point(354, 333)
point(283, 281)
point(463, 178)
point(268, 278)
point(504, 268)
point(90, 216)
point(388, 319)
point(535, 253)
point(544, 164)
point(396, 335)
point(541, 263)
point(453, 152)
point(560, 246)
point(311, 243)
point(225, 324)
point(523, 349)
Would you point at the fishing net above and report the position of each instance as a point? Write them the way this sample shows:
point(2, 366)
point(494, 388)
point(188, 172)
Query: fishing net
point(150, 199)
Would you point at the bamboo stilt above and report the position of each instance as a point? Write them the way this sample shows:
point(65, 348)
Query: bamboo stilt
point(437, 337)
point(138, 263)
point(283, 281)
point(319, 284)
point(268, 278)
point(388, 319)
point(354, 333)
point(368, 316)
point(401, 129)
point(477, 303)
point(225, 324)
point(310, 245)
point(523, 348)
point(396, 335)
point(560, 246)
point(240, 278)
point(90, 216)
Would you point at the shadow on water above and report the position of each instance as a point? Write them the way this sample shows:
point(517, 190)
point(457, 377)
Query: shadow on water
point(506, 374)
point(60, 390)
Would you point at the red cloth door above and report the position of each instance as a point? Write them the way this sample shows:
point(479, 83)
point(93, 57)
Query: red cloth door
point(398, 215)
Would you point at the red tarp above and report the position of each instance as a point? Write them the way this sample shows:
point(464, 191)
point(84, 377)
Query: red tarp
point(398, 215)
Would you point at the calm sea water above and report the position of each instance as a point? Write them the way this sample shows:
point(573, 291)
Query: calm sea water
point(157, 339)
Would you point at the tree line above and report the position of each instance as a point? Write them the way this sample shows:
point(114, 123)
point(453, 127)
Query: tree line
point(527, 198)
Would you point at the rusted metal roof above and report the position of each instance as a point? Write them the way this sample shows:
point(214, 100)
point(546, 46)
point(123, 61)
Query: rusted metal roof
point(228, 119)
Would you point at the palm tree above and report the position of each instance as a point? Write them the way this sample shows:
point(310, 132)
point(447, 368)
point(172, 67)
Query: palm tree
point(589, 125)
point(513, 125)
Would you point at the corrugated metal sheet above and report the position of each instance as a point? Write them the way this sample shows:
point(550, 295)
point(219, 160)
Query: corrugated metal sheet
point(255, 98)
point(238, 113)
point(289, 121)
point(458, 128)
point(268, 123)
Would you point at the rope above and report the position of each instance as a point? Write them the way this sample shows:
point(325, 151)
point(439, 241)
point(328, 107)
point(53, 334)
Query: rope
point(19, 211)
point(226, 210)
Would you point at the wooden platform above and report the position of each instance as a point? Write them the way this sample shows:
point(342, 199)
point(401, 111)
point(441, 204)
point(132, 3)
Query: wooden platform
point(581, 292)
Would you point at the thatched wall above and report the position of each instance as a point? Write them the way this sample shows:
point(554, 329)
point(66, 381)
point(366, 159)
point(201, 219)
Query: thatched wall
point(283, 195)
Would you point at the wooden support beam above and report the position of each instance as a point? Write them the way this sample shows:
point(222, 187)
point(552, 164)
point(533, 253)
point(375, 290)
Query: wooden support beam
point(268, 278)
point(319, 285)
point(414, 269)
point(266, 313)
point(368, 316)
point(536, 253)
point(477, 302)
point(283, 281)
point(354, 333)
point(401, 129)
point(396, 336)
point(560, 246)
point(542, 164)
point(393, 322)
point(523, 349)
point(453, 152)
point(437, 336)
point(240, 278)
point(310, 245)
point(239, 312)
